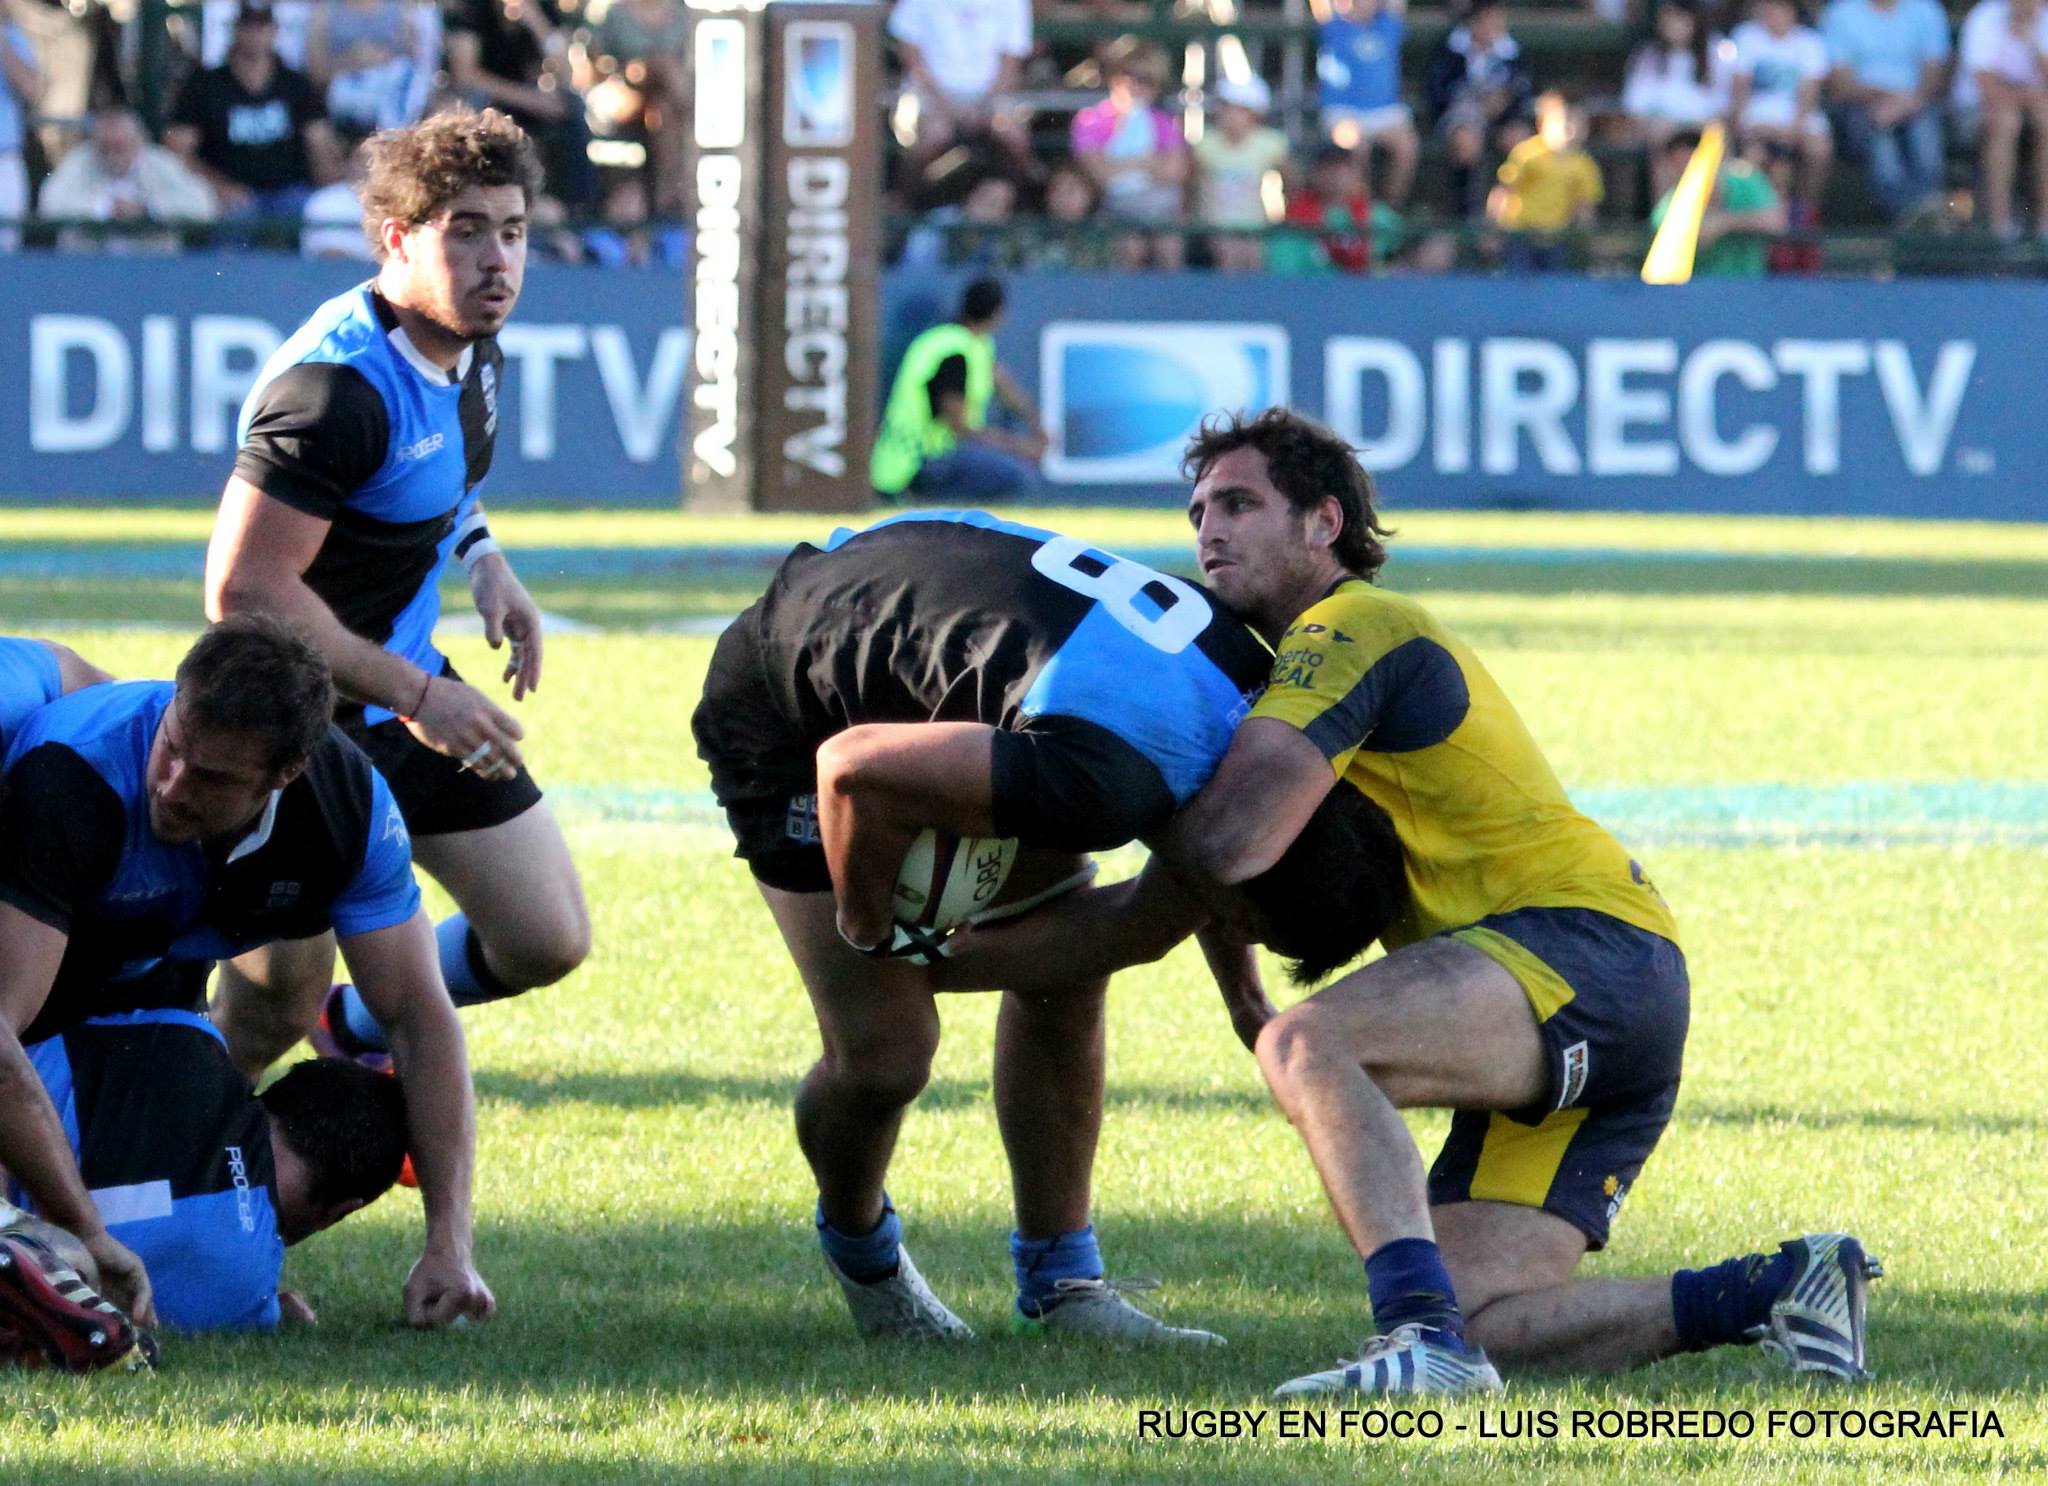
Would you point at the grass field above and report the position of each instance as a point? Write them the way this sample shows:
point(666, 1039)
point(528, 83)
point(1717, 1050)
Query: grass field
point(1832, 747)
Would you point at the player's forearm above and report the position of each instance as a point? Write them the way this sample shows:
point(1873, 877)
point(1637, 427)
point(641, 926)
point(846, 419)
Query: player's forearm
point(429, 1053)
point(1073, 941)
point(363, 670)
point(33, 1149)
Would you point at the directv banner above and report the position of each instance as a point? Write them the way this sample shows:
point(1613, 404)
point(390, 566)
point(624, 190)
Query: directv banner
point(1808, 397)
point(124, 377)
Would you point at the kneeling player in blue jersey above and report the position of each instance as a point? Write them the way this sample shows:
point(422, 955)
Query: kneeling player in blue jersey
point(149, 830)
point(203, 1180)
point(364, 447)
point(951, 670)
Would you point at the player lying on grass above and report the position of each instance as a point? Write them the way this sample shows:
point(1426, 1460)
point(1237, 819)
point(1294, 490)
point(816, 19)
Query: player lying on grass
point(363, 447)
point(1534, 983)
point(203, 1180)
point(150, 829)
point(955, 671)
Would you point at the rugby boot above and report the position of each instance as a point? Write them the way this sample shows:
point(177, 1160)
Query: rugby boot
point(1409, 1359)
point(1816, 1323)
point(1098, 1310)
point(902, 1305)
point(50, 1316)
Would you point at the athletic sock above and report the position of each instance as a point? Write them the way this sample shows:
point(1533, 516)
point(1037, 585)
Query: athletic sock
point(1410, 1286)
point(470, 979)
point(867, 1257)
point(1043, 1262)
point(355, 1030)
point(1720, 1306)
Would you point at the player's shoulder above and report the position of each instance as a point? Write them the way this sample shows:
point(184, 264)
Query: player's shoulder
point(100, 723)
point(1356, 612)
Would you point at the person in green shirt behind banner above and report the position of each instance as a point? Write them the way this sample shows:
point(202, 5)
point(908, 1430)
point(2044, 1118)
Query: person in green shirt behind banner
point(935, 441)
point(1743, 213)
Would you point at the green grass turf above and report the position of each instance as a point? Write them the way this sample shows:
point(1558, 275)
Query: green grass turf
point(1863, 1054)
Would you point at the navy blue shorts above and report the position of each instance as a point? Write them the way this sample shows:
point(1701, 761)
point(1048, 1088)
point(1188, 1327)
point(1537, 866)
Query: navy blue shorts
point(1613, 1003)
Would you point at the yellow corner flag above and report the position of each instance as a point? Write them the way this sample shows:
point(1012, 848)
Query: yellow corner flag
point(1670, 256)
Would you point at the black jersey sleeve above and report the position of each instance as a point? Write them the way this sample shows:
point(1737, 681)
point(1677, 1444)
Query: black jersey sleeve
point(318, 432)
point(61, 832)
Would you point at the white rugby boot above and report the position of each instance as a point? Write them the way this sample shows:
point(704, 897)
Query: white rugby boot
point(900, 1306)
point(1098, 1310)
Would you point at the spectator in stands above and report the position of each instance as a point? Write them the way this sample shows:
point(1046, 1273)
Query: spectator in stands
point(1672, 85)
point(1070, 203)
point(627, 239)
point(639, 47)
point(936, 441)
point(513, 55)
point(119, 176)
point(1232, 162)
point(1480, 95)
point(254, 128)
point(1332, 211)
point(1135, 153)
point(1742, 213)
point(2002, 85)
point(21, 84)
point(1358, 64)
point(961, 59)
point(1774, 82)
point(1548, 185)
point(1889, 61)
point(331, 226)
point(359, 54)
point(973, 234)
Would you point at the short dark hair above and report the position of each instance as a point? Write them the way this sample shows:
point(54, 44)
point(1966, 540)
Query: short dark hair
point(1307, 462)
point(982, 300)
point(414, 172)
point(1335, 889)
point(257, 674)
point(346, 1122)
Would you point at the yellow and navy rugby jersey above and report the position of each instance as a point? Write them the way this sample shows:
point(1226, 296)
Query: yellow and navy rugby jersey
point(1406, 713)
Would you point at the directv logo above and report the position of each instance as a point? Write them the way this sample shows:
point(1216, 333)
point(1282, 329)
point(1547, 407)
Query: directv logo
point(817, 92)
point(721, 74)
point(1122, 398)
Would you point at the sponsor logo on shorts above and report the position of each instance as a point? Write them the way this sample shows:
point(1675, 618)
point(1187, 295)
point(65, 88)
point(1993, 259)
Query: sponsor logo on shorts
point(1616, 1189)
point(1577, 1060)
point(238, 1172)
point(801, 824)
point(283, 895)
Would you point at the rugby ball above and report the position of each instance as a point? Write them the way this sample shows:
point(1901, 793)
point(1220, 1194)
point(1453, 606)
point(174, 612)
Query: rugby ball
point(946, 879)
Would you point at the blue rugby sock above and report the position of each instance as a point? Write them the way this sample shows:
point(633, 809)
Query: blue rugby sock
point(867, 1257)
point(470, 979)
point(1043, 1262)
point(1718, 1307)
point(1409, 1284)
point(358, 1025)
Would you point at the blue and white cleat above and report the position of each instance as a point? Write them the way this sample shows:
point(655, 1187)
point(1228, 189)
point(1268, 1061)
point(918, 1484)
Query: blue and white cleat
point(1410, 1359)
point(1817, 1324)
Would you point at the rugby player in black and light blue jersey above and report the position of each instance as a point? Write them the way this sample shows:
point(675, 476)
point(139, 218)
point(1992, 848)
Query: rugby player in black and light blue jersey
point(956, 671)
point(203, 1179)
point(150, 829)
point(363, 444)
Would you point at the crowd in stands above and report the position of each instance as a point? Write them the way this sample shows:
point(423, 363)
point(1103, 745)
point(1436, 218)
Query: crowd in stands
point(1118, 153)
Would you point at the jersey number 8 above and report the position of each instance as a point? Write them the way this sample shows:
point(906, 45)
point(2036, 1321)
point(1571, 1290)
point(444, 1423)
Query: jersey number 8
point(1178, 611)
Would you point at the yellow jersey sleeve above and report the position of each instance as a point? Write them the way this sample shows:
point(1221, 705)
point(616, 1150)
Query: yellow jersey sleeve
point(1356, 671)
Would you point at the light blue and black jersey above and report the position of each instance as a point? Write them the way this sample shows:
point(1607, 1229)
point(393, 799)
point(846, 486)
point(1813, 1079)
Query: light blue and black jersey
point(175, 1150)
point(1114, 688)
point(29, 679)
point(144, 920)
point(350, 423)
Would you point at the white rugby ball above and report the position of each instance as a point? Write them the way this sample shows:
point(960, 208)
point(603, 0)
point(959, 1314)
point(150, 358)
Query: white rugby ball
point(945, 879)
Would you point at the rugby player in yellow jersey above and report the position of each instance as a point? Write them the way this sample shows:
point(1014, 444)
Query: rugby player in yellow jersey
point(1535, 983)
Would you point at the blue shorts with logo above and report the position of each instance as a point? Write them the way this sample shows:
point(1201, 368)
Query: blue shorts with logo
point(1613, 1003)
